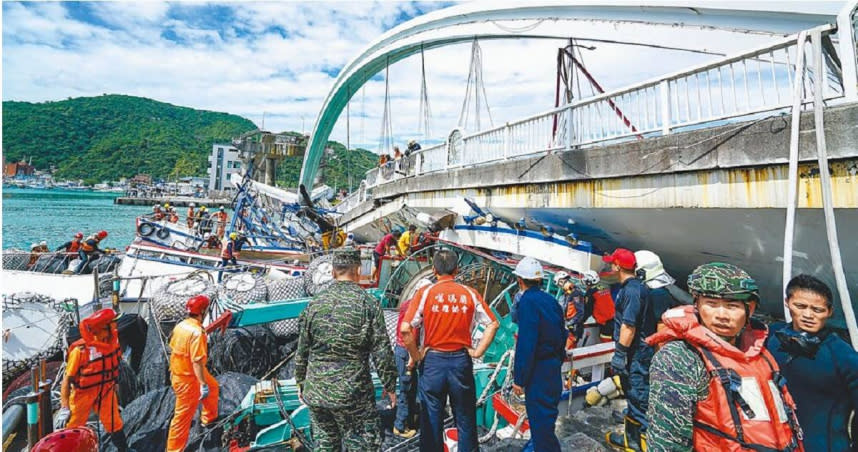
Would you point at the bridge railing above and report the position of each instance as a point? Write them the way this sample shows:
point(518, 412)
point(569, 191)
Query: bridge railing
point(751, 83)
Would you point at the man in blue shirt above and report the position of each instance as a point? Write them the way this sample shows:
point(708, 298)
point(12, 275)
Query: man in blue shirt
point(821, 368)
point(632, 356)
point(539, 353)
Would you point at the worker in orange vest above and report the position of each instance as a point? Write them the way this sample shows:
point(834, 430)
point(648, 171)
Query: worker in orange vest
point(191, 381)
point(89, 247)
point(220, 218)
point(92, 370)
point(71, 247)
point(191, 215)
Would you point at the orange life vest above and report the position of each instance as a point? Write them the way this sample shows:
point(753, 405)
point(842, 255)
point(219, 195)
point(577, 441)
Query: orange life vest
point(228, 249)
point(97, 368)
point(88, 246)
point(603, 306)
point(749, 406)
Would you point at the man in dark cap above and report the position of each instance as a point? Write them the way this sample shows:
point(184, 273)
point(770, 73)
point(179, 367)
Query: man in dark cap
point(338, 330)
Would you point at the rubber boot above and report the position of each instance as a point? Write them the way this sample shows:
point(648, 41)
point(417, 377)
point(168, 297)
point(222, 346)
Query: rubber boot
point(120, 441)
point(631, 440)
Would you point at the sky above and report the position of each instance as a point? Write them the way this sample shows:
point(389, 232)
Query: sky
point(276, 61)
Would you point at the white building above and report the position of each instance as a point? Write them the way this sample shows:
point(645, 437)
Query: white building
point(223, 162)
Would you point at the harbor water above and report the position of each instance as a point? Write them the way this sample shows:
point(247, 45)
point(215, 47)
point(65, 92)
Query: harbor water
point(32, 215)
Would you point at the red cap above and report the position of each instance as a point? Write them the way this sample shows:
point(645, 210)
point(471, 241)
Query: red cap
point(79, 235)
point(622, 257)
point(197, 305)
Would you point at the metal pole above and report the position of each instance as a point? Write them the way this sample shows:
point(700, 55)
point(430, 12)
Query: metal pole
point(97, 304)
point(33, 411)
point(46, 424)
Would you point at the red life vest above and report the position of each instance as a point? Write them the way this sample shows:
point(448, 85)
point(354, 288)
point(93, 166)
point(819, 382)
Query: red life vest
point(749, 406)
point(603, 306)
point(73, 246)
point(98, 367)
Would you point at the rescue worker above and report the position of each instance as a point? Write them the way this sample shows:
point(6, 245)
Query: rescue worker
point(632, 355)
point(202, 220)
point(821, 368)
point(157, 214)
point(172, 216)
point(658, 285)
point(539, 354)
point(389, 241)
point(574, 308)
point(220, 217)
point(34, 255)
point(338, 331)
point(599, 304)
point(425, 239)
point(211, 241)
point(91, 374)
point(228, 252)
point(89, 248)
point(191, 215)
point(72, 246)
point(448, 313)
point(405, 240)
point(715, 386)
point(191, 381)
point(406, 402)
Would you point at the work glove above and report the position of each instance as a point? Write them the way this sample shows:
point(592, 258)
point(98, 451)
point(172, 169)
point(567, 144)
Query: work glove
point(204, 391)
point(62, 418)
point(619, 363)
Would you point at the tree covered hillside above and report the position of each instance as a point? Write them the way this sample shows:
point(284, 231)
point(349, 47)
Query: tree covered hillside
point(112, 136)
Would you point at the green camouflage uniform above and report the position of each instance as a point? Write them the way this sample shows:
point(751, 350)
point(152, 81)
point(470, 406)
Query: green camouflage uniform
point(678, 380)
point(338, 331)
point(678, 377)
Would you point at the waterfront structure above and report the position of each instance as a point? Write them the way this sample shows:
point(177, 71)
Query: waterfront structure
point(223, 162)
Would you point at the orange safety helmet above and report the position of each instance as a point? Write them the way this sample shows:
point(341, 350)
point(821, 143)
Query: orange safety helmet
point(80, 439)
point(198, 304)
point(101, 234)
point(79, 235)
point(98, 320)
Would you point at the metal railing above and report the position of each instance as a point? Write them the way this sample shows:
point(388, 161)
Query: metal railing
point(743, 85)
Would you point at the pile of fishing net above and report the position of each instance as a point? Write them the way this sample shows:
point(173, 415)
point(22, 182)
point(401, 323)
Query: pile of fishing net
point(33, 330)
point(251, 350)
point(15, 259)
point(168, 304)
point(147, 419)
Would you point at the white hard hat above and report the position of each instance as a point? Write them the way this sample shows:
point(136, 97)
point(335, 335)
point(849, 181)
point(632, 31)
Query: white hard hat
point(192, 205)
point(560, 276)
point(590, 277)
point(650, 263)
point(34, 246)
point(528, 268)
point(43, 243)
point(654, 274)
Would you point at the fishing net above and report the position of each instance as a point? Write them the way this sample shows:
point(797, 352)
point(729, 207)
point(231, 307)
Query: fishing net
point(51, 263)
point(391, 321)
point(250, 351)
point(243, 288)
point(319, 274)
point(154, 370)
point(168, 304)
point(285, 289)
point(15, 259)
point(147, 418)
point(33, 329)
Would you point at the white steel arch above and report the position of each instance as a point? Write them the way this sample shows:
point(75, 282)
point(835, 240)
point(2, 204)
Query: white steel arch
point(616, 21)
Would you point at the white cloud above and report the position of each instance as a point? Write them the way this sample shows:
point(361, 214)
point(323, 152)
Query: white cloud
point(238, 62)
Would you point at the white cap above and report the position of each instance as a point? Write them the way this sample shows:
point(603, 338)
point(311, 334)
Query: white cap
point(528, 268)
point(559, 276)
point(43, 243)
point(653, 268)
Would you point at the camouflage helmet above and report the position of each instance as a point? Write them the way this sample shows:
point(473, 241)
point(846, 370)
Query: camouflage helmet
point(720, 280)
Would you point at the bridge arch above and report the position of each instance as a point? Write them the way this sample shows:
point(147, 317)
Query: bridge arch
point(592, 22)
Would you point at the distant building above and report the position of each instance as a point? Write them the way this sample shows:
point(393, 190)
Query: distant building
point(223, 162)
point(141, 179)
point(19, 170)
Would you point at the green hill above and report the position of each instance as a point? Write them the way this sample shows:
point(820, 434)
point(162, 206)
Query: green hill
point(112, 136)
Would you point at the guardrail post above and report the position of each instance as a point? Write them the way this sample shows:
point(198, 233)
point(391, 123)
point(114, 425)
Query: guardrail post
point(569, 127)
point(506, 141)
point(664, 87)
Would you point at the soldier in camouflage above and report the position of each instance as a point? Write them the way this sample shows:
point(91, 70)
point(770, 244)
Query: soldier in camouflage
point(714, 384)
point(338, 331)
